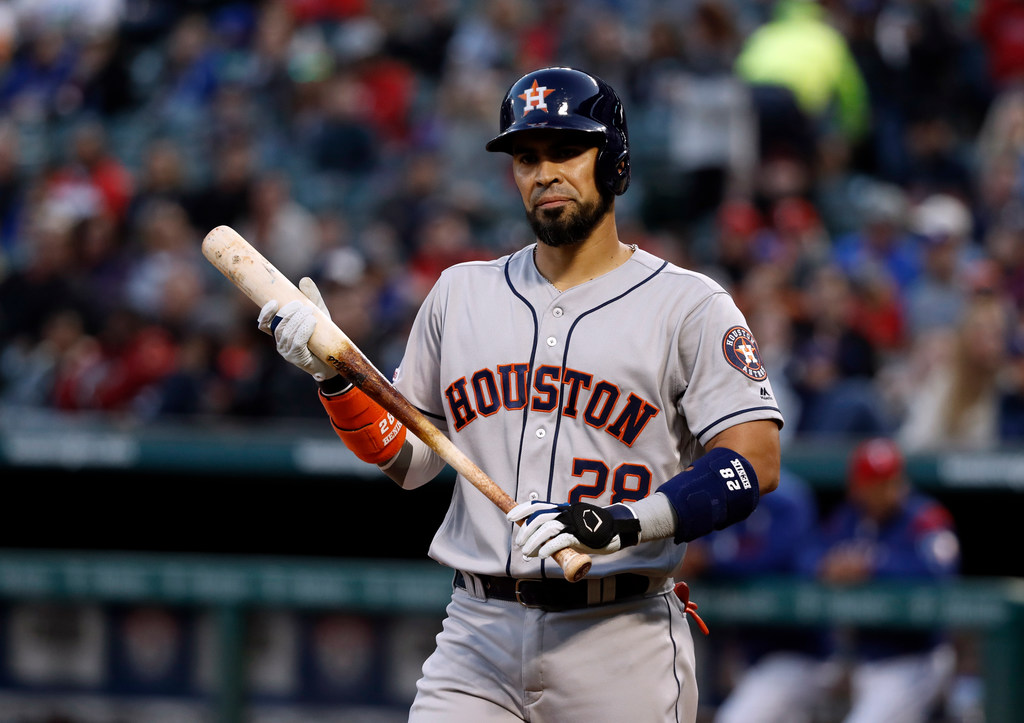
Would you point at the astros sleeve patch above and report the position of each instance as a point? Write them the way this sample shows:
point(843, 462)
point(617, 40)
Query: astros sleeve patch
point(741, 352)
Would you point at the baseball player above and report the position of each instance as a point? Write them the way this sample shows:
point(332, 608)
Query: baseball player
point(618, 398)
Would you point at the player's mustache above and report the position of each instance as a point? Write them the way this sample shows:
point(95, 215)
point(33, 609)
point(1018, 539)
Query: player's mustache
point(547, 195)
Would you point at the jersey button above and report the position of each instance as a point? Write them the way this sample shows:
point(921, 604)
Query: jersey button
point(557, 312)
point(552, 341)
point(534, 496)
point(541, 433)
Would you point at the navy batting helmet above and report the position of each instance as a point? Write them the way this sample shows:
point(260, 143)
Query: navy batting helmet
point(569, 99)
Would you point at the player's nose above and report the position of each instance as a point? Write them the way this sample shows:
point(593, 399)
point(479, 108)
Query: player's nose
point(548, 172)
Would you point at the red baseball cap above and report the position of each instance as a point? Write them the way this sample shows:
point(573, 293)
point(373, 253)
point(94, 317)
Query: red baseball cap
point(739, 217)
point(875, 460)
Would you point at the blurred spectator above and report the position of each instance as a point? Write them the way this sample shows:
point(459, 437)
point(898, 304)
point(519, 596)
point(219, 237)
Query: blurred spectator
point(101, 76)
point(937, 162)
point(8, 34)
point(1011, 398)
point(549, 35)
point(878, 314)
point(413, 200)
point(274, 76)
point(1004, 249)
point(29, 370)
point(487, 37)
point(602, 44)
point(233, 113)
point(388, 85)
point(833, 363)
point(881, 258)
point(333, 231)
point(798, 51)
point(663, 54)
point(245, 365)
point(163, 176)
point(353, 292)
point(796, 241)
point(783, 176)
point(82, 17)
point(1000, 26)
point(121, 374)
point(185, 76)
point(443, 240)
point(918, 62)
point(13, 190)
point(36, 84)
point(998, 157)
point(710, 124)
point(46, 283)
point(420, 38)
point(952, 399)
point(103, 262)
point(762, 665)
point(448, 161)
point(279, 226)
point(312, 11)
point(936, 297)
point(886, 531)
point(881, 245)
point(92, 178)
point(738, 224)
point(344, 138)
point(192, 387)
point(165, 282)
point(224, 197)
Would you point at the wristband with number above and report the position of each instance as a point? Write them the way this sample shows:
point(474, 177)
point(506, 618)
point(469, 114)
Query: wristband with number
point(364, 426)
point(719, 490)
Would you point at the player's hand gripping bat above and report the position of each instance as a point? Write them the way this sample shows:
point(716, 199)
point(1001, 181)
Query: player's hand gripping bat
point(258, 279)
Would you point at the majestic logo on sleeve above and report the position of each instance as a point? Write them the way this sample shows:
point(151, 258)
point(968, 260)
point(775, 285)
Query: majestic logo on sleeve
point(740, 351)
point(534, 97)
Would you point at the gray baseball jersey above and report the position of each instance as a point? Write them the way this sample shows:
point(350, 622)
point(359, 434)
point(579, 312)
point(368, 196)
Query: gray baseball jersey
point(600, 394)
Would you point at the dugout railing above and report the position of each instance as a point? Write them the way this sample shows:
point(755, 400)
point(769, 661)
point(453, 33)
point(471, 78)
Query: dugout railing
point(33, 440)
point(993, 609)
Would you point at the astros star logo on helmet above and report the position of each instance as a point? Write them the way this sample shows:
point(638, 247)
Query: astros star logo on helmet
point(534, 97)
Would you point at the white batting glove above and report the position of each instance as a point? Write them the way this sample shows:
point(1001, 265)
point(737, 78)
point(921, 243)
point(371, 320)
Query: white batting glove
point(292, 326)
point(584, 527)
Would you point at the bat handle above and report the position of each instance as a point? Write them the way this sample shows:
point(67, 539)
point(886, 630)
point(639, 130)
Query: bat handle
point(575, 565)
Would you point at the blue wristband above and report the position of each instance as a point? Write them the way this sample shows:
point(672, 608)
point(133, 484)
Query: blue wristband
point(720, 490)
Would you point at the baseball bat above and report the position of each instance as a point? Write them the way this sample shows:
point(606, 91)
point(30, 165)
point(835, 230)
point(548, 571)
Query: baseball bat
point(260, 280)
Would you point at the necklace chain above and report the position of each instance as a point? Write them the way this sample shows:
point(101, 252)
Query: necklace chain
point(632, 249)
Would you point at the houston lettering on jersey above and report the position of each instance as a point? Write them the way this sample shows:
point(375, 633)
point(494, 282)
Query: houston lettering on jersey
point(600, 404)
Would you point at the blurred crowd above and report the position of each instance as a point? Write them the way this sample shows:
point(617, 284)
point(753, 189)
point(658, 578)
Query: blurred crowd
point(852, 171)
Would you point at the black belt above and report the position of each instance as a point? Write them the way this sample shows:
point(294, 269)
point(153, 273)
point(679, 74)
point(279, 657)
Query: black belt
point(554, 595)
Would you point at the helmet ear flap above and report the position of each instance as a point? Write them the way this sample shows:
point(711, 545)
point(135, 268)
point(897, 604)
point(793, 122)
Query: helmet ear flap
point(620, 172)
point(613, 173)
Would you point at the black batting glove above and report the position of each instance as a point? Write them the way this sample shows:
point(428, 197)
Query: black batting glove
point(549, 527)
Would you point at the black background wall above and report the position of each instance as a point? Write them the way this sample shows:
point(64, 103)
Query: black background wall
point(333, 517)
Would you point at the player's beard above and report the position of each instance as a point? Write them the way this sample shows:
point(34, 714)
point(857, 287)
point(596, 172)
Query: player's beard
point(561, 227)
